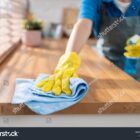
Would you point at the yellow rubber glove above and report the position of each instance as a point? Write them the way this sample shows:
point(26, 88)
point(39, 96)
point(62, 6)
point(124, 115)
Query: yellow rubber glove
point(59, 81)
point(132, 54)
point(138, 43)
point(132, 50)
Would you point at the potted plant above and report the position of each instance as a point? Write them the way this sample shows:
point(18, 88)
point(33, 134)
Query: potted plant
point(32, 32)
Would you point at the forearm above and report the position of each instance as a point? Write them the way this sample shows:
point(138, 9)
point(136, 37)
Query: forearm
point(79, 35)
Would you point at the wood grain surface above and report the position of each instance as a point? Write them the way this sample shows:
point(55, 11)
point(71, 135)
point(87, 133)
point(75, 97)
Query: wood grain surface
point(111, 90)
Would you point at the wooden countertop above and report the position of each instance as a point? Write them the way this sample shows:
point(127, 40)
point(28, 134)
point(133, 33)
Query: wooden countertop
point(111, 90)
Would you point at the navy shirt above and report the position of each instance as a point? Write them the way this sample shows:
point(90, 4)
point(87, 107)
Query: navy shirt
point(91, 9)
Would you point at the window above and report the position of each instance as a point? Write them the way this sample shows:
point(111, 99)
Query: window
point(11, 14)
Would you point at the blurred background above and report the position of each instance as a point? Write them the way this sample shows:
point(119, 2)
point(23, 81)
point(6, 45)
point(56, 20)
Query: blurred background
point(33, 21)
point(57, 16)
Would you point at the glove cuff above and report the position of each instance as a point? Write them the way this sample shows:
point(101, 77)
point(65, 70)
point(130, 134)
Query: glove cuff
point(71, 59)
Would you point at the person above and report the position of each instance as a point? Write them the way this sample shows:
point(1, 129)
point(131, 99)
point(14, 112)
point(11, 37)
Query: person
point(112, 21)
point(96, 16)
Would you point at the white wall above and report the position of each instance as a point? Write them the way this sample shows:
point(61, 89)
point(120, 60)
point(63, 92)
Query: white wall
point(51, 10)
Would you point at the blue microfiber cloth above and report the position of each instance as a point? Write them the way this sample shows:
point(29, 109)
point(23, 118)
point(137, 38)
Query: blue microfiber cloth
point(47, 103)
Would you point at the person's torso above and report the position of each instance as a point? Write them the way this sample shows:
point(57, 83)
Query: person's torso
point(112, 10)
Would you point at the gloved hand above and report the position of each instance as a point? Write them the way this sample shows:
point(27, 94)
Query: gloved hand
point(132, 49)
point(59, 81)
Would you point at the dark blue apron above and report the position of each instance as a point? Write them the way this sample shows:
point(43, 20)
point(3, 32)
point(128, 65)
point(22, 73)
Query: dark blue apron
point(115, 39)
